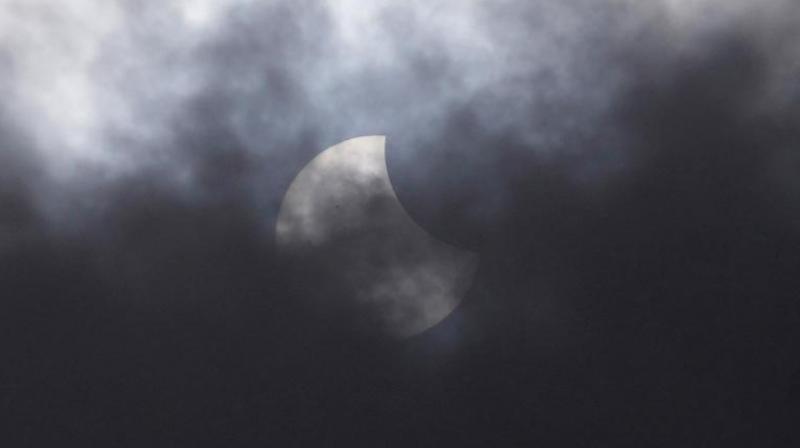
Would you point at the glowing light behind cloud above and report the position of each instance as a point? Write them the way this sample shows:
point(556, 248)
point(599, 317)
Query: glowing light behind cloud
point(103, 83)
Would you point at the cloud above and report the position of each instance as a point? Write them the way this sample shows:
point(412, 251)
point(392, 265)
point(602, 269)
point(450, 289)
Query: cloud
point(625, 169)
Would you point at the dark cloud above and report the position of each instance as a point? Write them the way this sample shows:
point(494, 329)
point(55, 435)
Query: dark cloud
point(626, 172)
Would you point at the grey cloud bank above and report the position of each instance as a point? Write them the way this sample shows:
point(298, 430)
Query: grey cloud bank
point(627, 171)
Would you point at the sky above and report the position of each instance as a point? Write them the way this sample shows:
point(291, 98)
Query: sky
point(626, 171)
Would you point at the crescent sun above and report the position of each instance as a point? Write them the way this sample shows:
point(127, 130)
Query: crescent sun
point(396, 272)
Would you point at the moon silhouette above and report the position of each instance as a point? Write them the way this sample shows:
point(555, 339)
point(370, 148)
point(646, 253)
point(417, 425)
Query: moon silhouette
point(342, 209)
